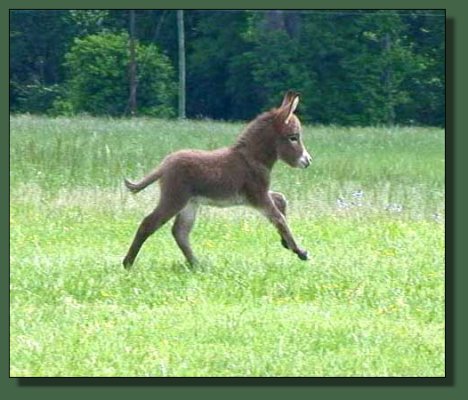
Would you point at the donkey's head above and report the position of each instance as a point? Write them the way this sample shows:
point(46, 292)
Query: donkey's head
point(289, 145)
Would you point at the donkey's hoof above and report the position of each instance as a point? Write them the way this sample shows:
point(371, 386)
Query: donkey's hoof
point(193, 263)
point(127, 264)
point(303, 255)
point(285, 244)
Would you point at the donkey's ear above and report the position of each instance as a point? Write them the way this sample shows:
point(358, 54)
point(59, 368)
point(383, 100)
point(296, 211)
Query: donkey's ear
point(288, 110)
point(288, 97)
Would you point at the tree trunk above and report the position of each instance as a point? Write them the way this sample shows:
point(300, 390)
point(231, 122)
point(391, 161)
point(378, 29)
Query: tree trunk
point(180, 29)
point(133, 79)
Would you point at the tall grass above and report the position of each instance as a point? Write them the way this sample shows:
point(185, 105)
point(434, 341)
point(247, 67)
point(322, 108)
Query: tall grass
point(370, 303)
point(390, 165)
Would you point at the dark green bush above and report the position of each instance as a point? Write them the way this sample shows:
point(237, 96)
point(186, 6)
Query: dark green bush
point(98, 82)
point(35, 98)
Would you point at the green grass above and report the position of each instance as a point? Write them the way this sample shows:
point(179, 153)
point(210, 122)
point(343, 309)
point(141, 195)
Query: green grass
point(369, 303)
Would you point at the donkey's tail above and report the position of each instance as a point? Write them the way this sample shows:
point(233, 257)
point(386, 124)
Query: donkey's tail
point(146, 181)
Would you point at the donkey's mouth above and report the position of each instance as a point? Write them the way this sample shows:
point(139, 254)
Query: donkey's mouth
point(304, 161)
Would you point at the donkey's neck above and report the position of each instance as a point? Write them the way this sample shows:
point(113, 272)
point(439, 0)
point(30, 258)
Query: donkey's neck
point(257, 142)
point(257, 153)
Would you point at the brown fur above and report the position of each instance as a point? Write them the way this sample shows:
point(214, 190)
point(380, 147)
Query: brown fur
point(239, 174)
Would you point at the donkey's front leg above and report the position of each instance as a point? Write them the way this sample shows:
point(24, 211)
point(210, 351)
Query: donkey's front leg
point(280, 202)
point(277, 218)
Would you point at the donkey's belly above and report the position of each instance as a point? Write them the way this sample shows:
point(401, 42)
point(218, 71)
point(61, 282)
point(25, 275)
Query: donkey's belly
point(221, 202)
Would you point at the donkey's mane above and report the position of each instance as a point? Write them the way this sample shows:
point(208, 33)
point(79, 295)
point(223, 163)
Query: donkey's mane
point(253, 131)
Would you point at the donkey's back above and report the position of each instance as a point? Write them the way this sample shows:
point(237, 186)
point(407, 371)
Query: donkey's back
point(219, 173)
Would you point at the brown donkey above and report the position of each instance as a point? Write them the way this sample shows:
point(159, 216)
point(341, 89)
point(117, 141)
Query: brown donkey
point(236, 175)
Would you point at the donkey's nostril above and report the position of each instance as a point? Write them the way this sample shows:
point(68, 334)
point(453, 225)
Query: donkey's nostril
point(305, 160)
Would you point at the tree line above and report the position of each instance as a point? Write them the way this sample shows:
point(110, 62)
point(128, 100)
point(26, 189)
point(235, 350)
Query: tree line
point(352, 67)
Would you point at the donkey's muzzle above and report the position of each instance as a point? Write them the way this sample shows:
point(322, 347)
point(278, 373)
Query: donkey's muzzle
point(305, 160)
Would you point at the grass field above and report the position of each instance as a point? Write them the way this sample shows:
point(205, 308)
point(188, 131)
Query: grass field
point(370, 302)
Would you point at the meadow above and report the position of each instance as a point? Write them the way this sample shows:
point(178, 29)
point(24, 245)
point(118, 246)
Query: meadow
point(370, 302)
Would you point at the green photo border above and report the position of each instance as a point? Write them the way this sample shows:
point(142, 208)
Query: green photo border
point(452, 387)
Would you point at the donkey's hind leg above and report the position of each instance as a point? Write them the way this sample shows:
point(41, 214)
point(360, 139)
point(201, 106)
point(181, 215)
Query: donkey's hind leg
point(183, 224)
point(152, 222)
point(280, 202)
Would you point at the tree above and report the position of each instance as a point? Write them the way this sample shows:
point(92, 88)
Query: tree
point(181, 41)
point(132, 66)
point(425, 32)
point(98, 81)
point(212, 89)
point(38, 42)
point(359, 67)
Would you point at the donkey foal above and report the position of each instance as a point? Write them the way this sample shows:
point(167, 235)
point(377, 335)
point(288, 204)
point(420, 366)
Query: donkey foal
point(237, 175)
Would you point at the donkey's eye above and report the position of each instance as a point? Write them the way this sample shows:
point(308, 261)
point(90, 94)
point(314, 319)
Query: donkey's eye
point(294, 138)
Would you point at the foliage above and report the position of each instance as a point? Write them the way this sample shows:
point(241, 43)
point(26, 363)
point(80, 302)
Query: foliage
point(274, 70)
point(88, 22)
point(359, 67)
point(38, 43)
point(97, 68)
point(34, 97)
point(210, 87)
